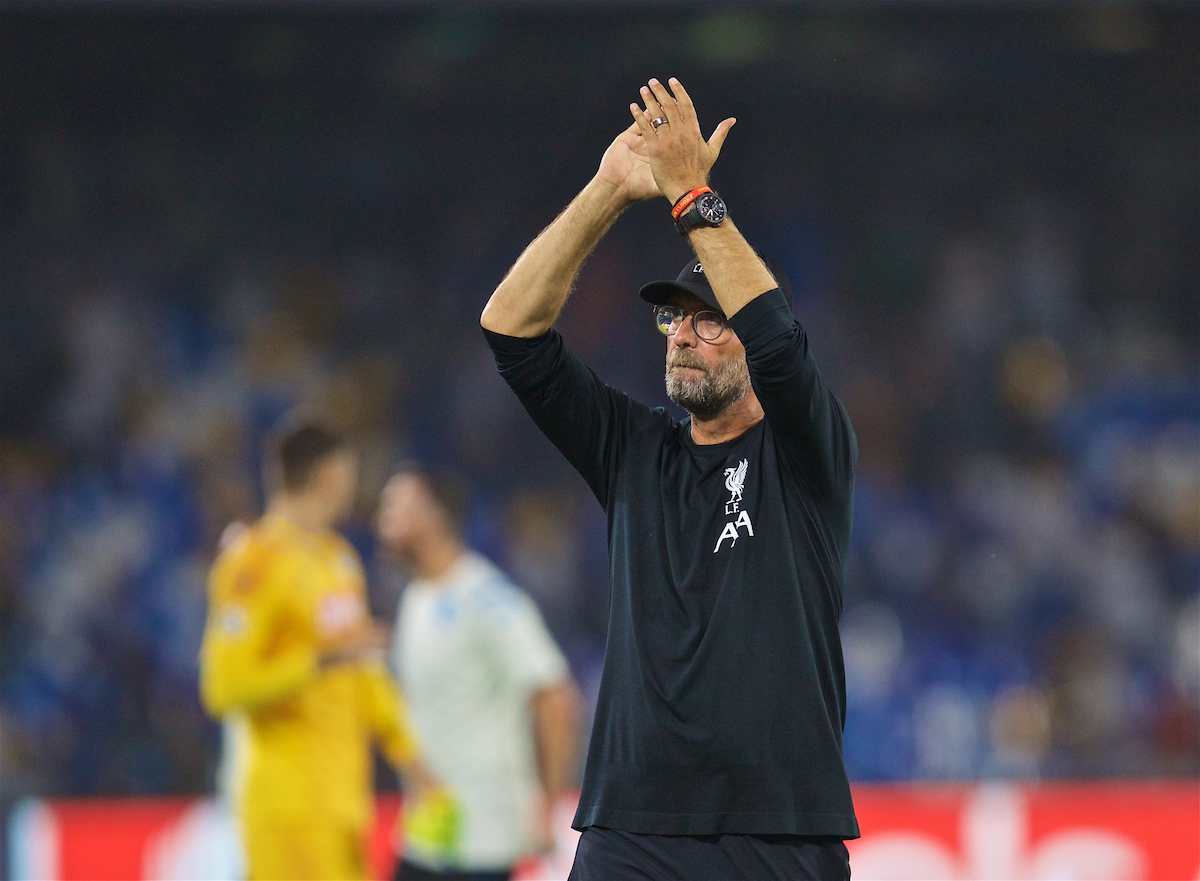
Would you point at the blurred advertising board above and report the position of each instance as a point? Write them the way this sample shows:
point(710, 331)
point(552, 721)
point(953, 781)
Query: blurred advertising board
point(1004, 832)
point(1143, 831)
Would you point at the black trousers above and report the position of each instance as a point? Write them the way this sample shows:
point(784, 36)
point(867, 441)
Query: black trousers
point(612, 855)
point(407, 871)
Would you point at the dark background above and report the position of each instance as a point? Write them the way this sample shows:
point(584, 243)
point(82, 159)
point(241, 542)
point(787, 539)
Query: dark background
point(211, 214)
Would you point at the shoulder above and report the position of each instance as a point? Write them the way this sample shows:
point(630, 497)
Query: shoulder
point(249, 563)
point(508, 620)
point(492, 593)
point(658, 417)
point(344, 556)
point(648, 427)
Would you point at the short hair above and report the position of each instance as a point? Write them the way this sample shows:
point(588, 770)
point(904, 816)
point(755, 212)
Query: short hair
point(447, 487)
point(298, 449)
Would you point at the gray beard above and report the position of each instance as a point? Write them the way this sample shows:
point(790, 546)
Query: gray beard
point(707, 396)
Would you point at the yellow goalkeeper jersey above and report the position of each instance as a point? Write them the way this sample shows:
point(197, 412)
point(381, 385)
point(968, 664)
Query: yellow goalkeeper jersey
point(302, 733)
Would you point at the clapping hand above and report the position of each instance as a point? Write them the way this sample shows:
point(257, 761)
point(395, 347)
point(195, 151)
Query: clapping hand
point(679, 157)
point(626, 166)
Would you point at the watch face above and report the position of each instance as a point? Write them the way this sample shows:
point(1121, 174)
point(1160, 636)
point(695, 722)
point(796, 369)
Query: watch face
point(711, 208)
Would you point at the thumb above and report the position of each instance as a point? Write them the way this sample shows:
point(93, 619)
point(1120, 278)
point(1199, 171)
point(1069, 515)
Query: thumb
point(718, 136)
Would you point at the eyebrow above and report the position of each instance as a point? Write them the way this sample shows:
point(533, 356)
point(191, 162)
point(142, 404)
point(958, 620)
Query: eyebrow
point(704, 307)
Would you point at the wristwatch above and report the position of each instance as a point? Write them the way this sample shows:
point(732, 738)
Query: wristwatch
point(700, 207)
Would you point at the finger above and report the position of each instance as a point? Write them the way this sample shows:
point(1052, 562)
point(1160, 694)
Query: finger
point(653, 108)
point(666, 101)
point(687, 110)
point(641, 121)
point(645, 119)
point(718, 136)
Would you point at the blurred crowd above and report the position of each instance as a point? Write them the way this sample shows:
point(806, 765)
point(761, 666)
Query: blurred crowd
point(1017, 349)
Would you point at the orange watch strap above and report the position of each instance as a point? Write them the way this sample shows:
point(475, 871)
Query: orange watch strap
point(685, 201)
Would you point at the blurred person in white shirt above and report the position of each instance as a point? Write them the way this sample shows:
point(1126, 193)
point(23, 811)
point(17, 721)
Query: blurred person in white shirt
point(489, 690)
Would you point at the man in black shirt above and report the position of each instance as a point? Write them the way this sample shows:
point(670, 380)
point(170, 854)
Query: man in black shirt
point(716, 751)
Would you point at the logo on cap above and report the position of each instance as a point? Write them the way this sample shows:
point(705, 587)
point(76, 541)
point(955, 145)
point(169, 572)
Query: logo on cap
point(698, 269)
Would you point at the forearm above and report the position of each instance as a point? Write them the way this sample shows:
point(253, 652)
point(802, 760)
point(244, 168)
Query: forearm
point(533, 293)
point(242, 683)
point(680, 160)
point(556, 729)
point(736, 273)
point(388, 717)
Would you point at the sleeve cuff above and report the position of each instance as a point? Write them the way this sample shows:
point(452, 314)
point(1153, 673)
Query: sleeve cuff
point(514, 344)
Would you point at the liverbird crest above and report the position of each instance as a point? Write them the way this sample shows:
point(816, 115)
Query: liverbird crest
point(735, 480)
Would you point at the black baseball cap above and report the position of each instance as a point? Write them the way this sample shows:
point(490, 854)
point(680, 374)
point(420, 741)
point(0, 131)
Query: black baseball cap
point(692, 280)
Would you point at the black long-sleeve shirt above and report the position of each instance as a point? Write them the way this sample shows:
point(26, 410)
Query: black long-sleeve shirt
point(722, 700)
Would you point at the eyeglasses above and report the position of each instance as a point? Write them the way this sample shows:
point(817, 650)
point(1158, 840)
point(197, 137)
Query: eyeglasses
point(708, 325)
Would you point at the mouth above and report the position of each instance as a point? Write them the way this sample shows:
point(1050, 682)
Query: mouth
point(687, 367)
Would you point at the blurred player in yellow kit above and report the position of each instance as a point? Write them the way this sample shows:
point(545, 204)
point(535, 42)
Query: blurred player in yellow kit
point(293, 660)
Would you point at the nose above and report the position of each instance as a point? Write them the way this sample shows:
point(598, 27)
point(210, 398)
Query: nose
point(685, 336)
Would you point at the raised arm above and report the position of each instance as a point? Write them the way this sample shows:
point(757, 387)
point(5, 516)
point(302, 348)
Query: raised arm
point(811, 424)
point(680, 160)
point(531, 296)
